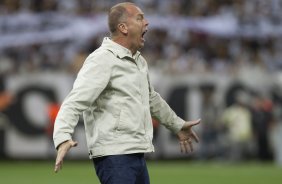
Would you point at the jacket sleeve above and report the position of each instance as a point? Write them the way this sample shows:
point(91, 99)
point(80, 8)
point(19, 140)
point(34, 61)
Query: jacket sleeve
point(91, 80)
point(162, 112)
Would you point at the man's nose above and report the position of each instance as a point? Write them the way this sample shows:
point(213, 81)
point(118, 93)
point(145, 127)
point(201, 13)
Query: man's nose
point(146, 23)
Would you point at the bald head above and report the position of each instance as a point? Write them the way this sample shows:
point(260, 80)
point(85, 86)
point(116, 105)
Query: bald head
point(117, 15)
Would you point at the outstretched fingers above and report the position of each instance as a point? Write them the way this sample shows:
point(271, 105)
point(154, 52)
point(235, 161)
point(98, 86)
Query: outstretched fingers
point(190, 144)
point(187, 136)
point(58, 166)
point(186, 146)
point(182, 147)
point(59, 159)
point(194, 136)
point(62, 151)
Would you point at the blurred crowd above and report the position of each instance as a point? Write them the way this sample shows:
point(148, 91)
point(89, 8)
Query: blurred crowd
point(246, 10)
point(190, 51)
point(254, 50)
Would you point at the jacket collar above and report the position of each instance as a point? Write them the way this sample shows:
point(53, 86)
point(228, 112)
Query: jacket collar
point(117, 49)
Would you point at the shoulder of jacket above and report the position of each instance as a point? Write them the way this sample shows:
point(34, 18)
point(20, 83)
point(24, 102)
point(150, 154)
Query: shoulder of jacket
point(100, 52)
point(100, 55)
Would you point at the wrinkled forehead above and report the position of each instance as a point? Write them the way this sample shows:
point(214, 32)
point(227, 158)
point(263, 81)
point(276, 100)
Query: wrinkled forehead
point(134, 10)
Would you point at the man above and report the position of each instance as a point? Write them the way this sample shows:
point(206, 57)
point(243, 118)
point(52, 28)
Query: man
point(114, 93)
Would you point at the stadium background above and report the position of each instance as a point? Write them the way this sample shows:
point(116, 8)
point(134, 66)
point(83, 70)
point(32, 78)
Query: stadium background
point(215, 59)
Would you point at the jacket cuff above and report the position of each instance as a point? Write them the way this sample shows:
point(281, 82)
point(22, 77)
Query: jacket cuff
point(62, 138)
point(178, 125)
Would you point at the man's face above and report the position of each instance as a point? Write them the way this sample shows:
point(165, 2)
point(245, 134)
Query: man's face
point(137, 27)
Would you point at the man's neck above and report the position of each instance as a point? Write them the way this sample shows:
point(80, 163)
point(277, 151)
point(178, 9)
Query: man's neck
point(123, 43)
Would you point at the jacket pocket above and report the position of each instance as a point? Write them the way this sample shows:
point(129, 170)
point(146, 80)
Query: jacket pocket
point(127, 123)
point(121, 121)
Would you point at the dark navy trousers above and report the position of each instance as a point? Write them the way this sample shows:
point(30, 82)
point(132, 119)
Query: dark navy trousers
point(122, 169)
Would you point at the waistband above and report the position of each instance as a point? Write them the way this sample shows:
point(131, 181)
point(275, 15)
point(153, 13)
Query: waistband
point(138, 155)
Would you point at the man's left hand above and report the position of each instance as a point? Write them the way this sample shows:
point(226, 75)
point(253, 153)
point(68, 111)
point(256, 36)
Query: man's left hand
point(186, 136)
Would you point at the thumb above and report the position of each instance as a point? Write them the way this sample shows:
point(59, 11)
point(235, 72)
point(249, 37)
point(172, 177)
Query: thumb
point(193, 123)
point(73, 143)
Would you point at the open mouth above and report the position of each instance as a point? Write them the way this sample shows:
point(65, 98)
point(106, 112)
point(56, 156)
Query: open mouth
point(143, 33)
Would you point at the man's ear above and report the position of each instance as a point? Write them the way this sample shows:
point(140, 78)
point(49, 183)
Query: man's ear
point(122, 28)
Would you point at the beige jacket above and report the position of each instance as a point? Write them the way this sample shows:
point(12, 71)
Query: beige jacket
point(114, 93)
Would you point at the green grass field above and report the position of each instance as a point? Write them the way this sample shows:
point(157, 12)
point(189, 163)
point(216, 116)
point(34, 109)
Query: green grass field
point(161, 172)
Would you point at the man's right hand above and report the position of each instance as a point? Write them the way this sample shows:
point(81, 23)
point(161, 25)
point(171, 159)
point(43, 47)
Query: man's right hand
point(62, 151)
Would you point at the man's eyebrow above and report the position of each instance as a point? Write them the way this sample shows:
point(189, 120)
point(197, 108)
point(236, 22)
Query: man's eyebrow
point(141, 15)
